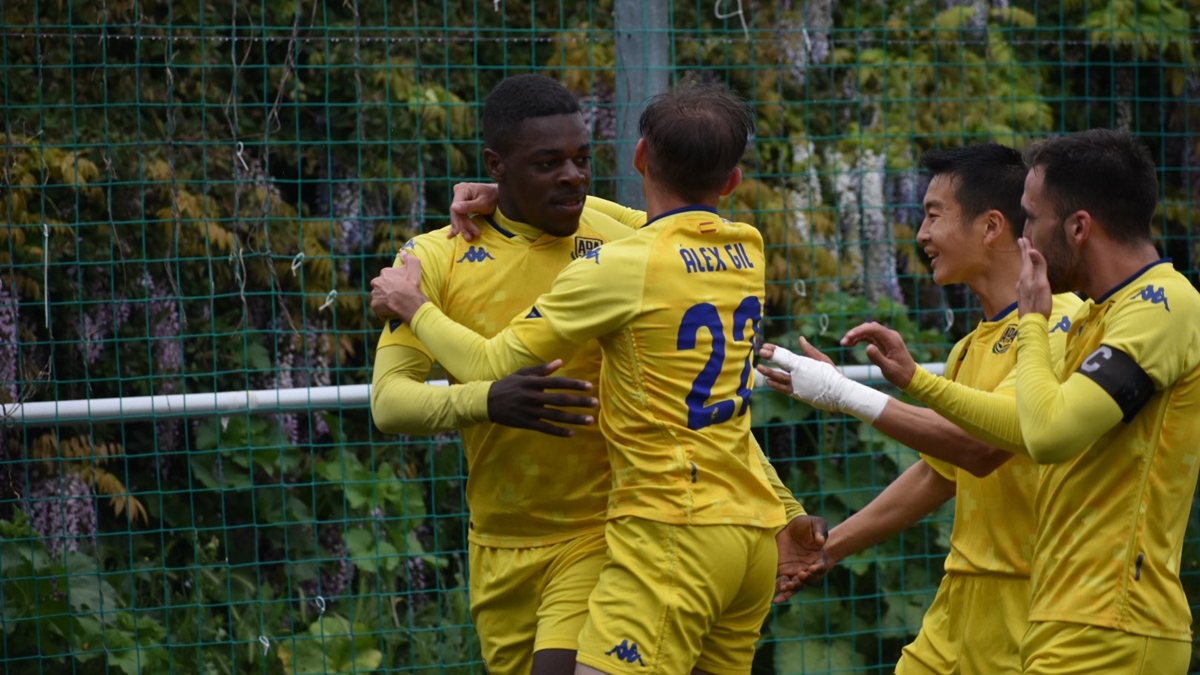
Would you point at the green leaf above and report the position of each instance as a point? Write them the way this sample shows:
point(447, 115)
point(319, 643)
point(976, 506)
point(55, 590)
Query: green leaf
point(331, 647)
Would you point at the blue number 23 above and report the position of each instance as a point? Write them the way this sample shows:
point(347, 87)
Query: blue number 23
point(705, 315)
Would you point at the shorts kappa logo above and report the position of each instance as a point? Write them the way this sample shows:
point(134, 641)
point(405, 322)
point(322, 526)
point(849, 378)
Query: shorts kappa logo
point(626, 652)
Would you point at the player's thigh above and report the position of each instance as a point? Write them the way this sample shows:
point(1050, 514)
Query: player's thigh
point(1059, 648)
point(569, 581)
point(728, 649)
point(659, 594)
point(995, 618)
point(505, 587)
point(936, 649)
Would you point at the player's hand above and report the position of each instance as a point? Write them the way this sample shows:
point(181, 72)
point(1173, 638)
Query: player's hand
point(1033, 286)
point(815, 381)
point(396, 292)
point(523, 400)
point(886, 349)
point(471, 198)
point(802, 557)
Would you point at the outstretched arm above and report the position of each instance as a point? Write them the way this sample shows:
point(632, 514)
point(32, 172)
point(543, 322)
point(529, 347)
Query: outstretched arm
point(815, 380)
point(913, 495)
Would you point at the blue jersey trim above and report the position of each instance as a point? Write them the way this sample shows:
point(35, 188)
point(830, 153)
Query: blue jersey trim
point(679, 210)
point(1003, 313)
point(1130, 280)
point(499, 229)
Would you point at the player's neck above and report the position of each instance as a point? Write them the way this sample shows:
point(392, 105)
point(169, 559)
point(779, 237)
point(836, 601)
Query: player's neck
point(659, 201)
point(1114, 264)
point(997, 285)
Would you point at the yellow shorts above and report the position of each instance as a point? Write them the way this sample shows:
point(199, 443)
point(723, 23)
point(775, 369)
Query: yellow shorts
point(675, 597)
point(524, 600)
point(1060, 648)
point(973, 627)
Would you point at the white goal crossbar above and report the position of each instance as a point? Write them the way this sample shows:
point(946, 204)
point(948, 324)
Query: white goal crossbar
point(261, 401)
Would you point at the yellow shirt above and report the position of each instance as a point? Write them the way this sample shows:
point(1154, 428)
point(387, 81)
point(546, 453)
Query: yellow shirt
point(1114, 513)
point(994, 519)
point(675, 309)
point(524, 488)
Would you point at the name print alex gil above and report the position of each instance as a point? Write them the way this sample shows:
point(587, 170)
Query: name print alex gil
point(708, 258)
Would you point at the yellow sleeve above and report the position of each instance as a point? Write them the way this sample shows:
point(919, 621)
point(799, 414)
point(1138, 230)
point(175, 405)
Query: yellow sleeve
point(631, 218)
point(402, 403)
point(989, 416)
point(436, 254)
point(792, 507)
point(586, 301)
point(1058, 421)
point(943, 468)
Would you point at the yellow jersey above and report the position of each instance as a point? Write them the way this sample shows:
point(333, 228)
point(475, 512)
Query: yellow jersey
point(994, 520)
point(675, 309)
point(1114, 517)
point(524, 488)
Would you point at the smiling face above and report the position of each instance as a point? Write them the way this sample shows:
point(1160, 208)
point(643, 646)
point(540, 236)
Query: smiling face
point(545, 172)
point(955, 247)
point(1047, 231)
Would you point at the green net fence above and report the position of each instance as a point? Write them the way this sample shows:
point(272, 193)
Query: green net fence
point(196, 194)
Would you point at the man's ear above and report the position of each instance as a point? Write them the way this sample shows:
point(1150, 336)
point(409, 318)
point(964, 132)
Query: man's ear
point(1079, 227)
point(641, 156)
point(734, 180)
point(996, 228)
point(494, 164)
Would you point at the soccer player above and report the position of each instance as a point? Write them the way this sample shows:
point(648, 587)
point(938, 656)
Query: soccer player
point(1114, 424)
point(973, 220)
point(1117, 427)
point(537, 503)
point(691, 518)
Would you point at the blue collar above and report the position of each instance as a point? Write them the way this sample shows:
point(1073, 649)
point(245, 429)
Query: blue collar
point(1003, 313)
point(491, 221)
point(679, 210)
point(1131, 279)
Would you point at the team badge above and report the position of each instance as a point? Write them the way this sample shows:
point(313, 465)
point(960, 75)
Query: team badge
point(1006, 340)
point(584, 246)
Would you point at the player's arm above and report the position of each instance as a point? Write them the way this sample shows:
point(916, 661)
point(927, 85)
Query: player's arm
point(628, 217)
point(402, 403)
point(1060, 420)
point(913, 495)
point(586, 301)
point(815, 380)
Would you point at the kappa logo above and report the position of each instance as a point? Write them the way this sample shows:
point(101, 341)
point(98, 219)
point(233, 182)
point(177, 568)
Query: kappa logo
point(626, 652)
point(584, 246)
point(1155, 295)
point(1064, 325)
point(1006, 340)
point(594, 254)
point(476, 254)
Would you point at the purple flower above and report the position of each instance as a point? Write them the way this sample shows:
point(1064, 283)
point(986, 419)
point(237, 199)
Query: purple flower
point(62, 509)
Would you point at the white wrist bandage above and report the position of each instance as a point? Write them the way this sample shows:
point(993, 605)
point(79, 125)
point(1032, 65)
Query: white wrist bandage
point(822, 385)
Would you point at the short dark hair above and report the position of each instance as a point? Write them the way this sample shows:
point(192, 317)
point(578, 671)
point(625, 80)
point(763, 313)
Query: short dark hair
point(696, 134)
point(989, 176)
point(517, 99)
point(1107, 173)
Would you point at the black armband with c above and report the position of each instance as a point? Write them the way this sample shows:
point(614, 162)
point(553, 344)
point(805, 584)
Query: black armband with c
point(1120, 377)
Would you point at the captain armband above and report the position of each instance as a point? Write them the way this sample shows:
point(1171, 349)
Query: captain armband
point(1121, 378)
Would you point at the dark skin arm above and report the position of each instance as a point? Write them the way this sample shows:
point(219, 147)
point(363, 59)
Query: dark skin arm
point(531, 399)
